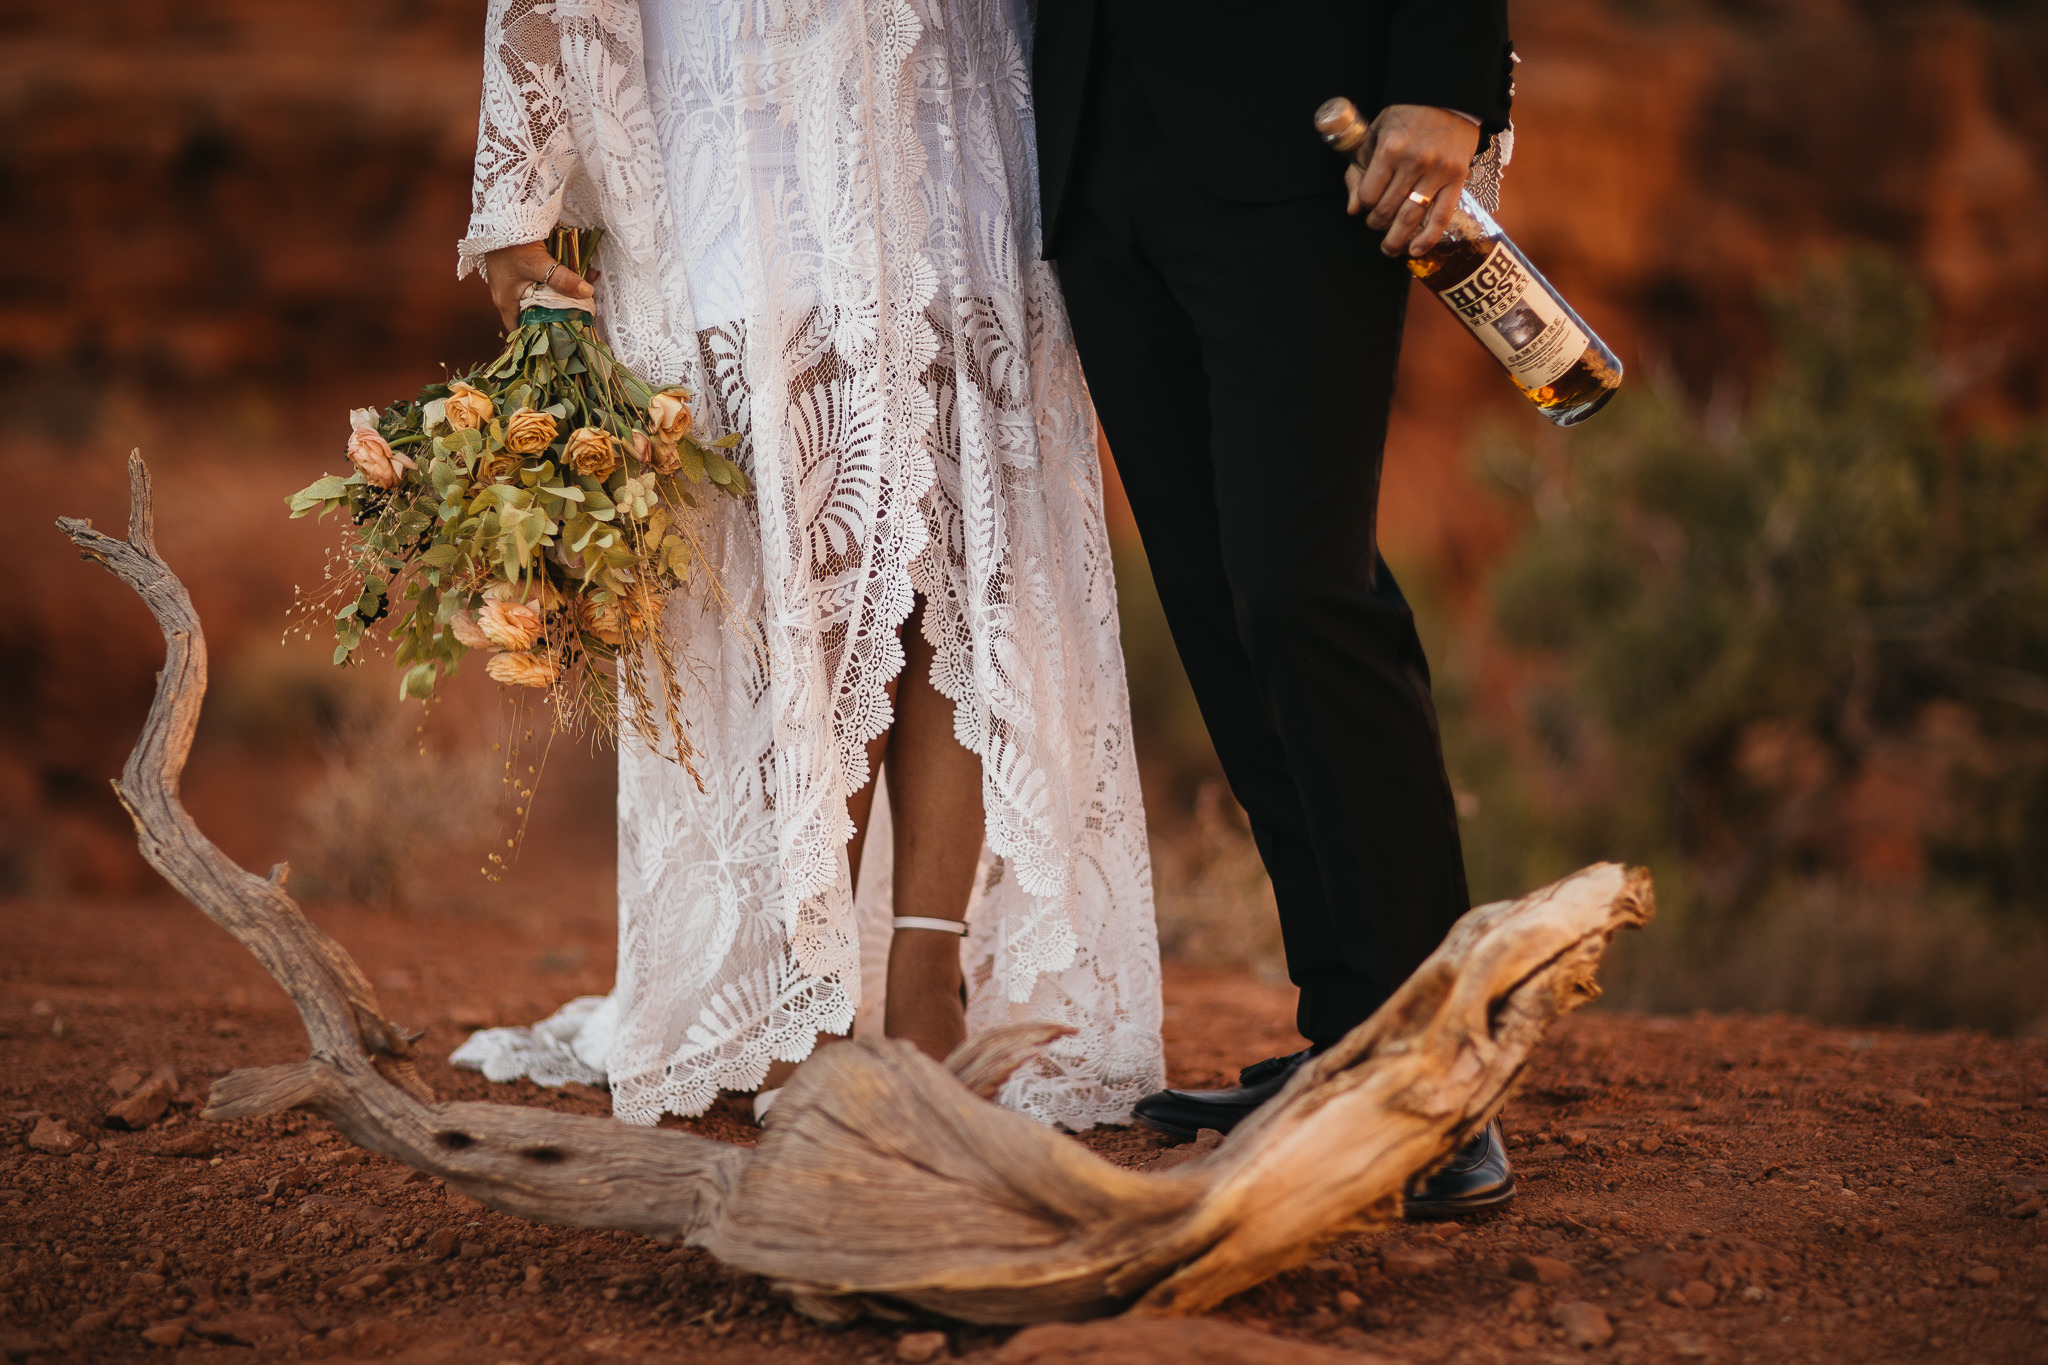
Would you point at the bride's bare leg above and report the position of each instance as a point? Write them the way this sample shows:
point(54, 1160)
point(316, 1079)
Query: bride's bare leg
point(935, 806)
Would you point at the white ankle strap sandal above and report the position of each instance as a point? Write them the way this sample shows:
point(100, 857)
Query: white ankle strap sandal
point(942, 926)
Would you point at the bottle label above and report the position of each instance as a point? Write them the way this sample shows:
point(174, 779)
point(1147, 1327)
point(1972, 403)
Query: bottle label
point(1517, 319)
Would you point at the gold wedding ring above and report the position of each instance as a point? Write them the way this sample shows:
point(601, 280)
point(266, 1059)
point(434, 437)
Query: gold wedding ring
point(543, 281)
point(1417, 197)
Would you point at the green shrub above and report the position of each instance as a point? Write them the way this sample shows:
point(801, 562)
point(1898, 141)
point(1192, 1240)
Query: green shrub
point(1802, 644)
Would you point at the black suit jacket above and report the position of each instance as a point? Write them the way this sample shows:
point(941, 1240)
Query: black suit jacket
point(1237, 83)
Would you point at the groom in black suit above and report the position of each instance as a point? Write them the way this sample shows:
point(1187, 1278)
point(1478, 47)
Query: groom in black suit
point(1240, 332)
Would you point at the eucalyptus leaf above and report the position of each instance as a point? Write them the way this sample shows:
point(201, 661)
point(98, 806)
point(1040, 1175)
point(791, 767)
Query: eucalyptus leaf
point(418, 682)
point(322, 490)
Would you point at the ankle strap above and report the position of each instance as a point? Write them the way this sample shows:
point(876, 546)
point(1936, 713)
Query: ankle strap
point(943, 926)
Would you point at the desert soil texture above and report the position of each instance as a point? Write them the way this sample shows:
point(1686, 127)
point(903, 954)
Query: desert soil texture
point(1702, 1189)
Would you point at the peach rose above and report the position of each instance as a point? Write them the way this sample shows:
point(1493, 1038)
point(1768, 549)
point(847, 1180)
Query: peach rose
point(669, 414)
point(466, 631)
point(497, 466)
point(528, 432)
point(537, 590)
point(468, 408)
point(591, 451)
point(371, 453)
point(600, 619)
point(662, 456)
point(522, 670)
point(509, 625)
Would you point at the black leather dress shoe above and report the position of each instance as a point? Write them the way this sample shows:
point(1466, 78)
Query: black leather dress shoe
point(1477, 1178)
point(1184, 1113)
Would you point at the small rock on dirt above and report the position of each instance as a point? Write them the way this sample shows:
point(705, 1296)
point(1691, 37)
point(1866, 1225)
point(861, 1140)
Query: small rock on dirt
point(92, 1323)
point(1401, 1261)
point(1584, 1325)
point(1983, 1276)
point(1540, 1270)
point(265, 1331)
point(266, 1276)
point(54, 1137)
point(167, 1334)
point(920, 1347)
point(1698, 1294)
point(145, 1102)
point(197, 1142)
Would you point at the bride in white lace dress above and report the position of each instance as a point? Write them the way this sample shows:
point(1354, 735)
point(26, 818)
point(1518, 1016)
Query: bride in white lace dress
point(822, 217)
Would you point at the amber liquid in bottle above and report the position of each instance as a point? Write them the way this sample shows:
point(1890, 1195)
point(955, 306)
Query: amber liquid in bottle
point(1550, 354)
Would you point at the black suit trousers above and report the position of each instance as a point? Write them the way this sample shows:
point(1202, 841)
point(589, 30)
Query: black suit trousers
point(1242, 358)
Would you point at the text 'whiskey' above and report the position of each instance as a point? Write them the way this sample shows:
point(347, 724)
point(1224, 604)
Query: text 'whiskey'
point(1549, 352)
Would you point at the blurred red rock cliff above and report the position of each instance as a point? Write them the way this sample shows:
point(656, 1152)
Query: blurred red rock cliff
point(230, 220)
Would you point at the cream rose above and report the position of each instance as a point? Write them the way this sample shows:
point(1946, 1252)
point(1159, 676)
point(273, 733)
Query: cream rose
point(467, 407)
point(591, 451)
point(529, 432)
point(466, 631)
point(371, 453)
point(509, 625)
point(669, 414)
point(522, 670)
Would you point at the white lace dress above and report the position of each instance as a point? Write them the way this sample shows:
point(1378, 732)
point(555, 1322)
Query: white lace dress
point(823, 218)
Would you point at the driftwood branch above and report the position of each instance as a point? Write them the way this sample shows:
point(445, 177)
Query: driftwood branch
point(888, 1179)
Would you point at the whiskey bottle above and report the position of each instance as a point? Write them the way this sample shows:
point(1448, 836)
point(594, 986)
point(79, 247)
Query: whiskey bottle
point(1549, 352)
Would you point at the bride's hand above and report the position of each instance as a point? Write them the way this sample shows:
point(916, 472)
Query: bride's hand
point(508, 271)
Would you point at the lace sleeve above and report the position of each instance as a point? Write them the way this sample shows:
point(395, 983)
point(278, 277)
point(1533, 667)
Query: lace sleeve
point(1489, 166)
point(527, 166)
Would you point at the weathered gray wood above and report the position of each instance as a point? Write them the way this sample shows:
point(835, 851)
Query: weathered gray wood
point(887, 1179)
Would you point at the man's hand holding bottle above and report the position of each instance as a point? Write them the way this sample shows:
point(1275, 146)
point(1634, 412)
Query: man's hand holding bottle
point(1407, 177)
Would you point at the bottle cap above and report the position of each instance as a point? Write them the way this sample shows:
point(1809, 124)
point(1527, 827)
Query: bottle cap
point(1338, 121)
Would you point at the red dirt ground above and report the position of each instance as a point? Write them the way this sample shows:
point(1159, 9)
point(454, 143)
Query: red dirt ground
point(1706, 1189)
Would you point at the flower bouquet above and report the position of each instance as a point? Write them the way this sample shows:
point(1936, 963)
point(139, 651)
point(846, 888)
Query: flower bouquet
point(533, 508)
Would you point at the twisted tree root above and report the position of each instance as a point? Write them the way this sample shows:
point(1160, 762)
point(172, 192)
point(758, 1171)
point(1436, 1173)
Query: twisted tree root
point(889, 1179)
